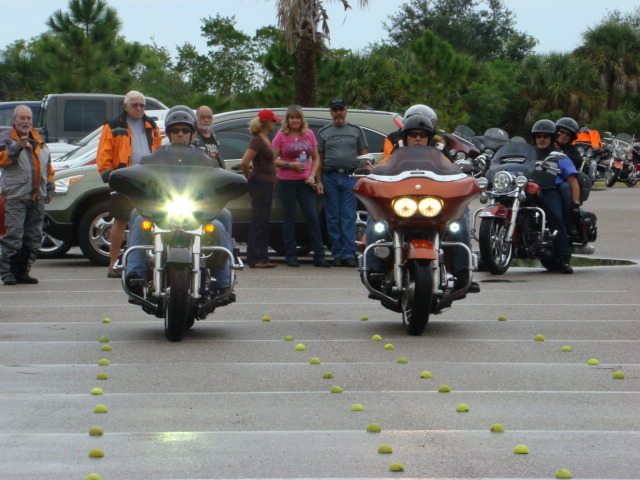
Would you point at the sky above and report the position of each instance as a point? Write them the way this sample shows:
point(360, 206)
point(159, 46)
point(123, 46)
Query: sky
point(558, 25)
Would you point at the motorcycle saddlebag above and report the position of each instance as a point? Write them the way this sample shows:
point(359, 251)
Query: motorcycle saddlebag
point(585, 186)
point(588, 229)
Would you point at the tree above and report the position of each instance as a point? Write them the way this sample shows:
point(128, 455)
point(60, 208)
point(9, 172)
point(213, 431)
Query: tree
point(300, 21)
point(484, 29)
point(22, 76)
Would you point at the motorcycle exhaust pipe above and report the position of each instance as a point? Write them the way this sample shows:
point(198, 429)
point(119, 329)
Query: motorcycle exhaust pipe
point(584, 249)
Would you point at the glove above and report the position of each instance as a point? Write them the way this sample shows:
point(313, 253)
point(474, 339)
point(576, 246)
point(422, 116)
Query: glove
point(105, 175)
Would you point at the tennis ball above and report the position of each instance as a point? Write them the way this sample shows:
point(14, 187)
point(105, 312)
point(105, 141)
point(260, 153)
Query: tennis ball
point(336, 389)
point(502, 318)
point(497, 428)
point(93, 476)
point(315, 361)
point(396, 467)
point(385, 449)
point(402, 360)
point(563, 473)
point(289, 338)
point(593, 361)
point(104, 362)
point(567, 348)
point(425, 374)
point(103, 376)
point(364, 318)
point(300, 347)
point(356, 407)
point(106, 320)
point(521, 449)
point(96, 431)
point(618, 375)
point(376, 338)
point(106, 348)
point(96, 453)
point(444, 389)
point(327, 375)
point(388, 346)
point(100, 409)
point(463, 407)
point(539, 338)
point(103, 340)
point(96, 391)
point(266, 319)
point(374, 428)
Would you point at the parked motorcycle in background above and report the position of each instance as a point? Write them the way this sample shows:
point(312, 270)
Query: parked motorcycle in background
point(464, 153)
point(489, 143)
point(514, 224)
point(415, 197)
point(591, 149)
point(625, 164)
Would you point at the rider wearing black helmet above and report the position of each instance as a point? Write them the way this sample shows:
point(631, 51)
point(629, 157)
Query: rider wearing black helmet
point(566, 132)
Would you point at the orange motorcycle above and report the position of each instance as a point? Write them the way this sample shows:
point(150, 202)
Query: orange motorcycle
point(414, 200)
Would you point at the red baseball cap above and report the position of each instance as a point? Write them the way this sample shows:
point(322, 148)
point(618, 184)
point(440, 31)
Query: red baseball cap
point(267, 115)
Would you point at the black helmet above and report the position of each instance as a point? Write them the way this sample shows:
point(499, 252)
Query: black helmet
point(180, 114)
point(544, 126)
point(568, 123)
point(417, 122)
point(425, 110)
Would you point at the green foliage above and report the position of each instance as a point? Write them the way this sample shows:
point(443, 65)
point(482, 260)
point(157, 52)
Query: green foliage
point(22, 76)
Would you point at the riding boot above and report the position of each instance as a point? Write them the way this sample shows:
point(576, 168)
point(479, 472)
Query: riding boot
point(22, 275)
point(564, 264)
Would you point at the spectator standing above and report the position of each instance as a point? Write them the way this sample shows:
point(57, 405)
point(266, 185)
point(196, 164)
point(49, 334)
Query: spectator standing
point(339, 144)
point(124, 140)
point(204, 137)
point(259, 167)
point(298, 164)
point(26, 184)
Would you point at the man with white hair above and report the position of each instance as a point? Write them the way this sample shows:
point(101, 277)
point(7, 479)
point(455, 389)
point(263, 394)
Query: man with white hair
point(125, 139)
point(26, 184)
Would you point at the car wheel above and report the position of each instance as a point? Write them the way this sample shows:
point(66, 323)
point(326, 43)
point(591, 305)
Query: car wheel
point(52, 247)
point(94, 232)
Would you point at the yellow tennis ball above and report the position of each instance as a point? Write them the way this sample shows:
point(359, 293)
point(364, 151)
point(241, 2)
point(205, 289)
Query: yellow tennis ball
point(103, 376)
point(96, 431)
point(96, 453)
point(402, 360)
point(364, 318)
point(425, 374)
point(376, 338)
point(93, 476)
point(103, 340)
point(374, 428)
point(396, 467)
point(384, 448)
point(497, 428)
point(618, 375)
point(444, 389)
point(104, 362)
point(567, 348)
point(563, 473)
point(100, 409)
point(315, 361)
point(502, 318)
point(106, 320)
point(336, 389)
point(300, 347)
point(106, 348)
point(356, 407)
point(521, 449)
point(289, 338)
point(266, 319)
point(593, 361)
point(96, 391)
point(327, 375)
point(539, 338)
point(463, 407)
point(388, 346)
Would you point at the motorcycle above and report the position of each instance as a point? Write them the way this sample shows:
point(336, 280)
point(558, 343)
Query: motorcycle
point(180, 197)
point(489, 143)
point(464, 153)
point(625, 164)
point(415, 198)
point(514, 224)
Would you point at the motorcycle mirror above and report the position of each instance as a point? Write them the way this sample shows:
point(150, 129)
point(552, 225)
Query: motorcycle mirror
point(365, 159)
point(465, 165)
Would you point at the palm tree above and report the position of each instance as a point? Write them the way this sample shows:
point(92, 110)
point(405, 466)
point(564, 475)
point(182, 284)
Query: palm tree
point(300, 21)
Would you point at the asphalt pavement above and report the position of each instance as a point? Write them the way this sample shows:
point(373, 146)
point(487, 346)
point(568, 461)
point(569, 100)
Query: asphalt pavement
point(236, 400)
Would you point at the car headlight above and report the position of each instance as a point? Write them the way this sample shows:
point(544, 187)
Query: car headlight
point(405, 207)
point(62, 184)
point(430, 206)
point(179, 211)
point(461, 156)
point(502, 181)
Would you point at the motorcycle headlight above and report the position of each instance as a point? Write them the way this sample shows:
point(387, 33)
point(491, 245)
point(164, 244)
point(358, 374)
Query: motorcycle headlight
point(521, 181)
point(581, 151)
point(405, 207)
point(483, 183)
point(461, 156)
point(430, 206)
point(589, 152)
point(179, 211)
point(489, 152)
point(502, 181)
point(453, 153)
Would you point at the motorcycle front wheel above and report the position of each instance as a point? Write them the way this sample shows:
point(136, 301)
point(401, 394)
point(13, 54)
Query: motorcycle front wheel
point(612, 177)
point(495, 252)
point(178, 306)
point(417, 283)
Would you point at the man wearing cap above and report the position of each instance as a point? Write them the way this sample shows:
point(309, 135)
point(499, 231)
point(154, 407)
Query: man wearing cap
point(339, 145)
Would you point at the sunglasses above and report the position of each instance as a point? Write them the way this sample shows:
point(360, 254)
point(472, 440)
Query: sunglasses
point(338, 109)
point(136, 105)
point(177, 130)
point(543, 135)
point(420, 134)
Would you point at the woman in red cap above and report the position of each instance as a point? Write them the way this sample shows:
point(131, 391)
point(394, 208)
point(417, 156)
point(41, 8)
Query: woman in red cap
point(259, 166)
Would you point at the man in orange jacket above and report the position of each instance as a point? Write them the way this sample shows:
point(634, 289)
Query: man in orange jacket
point(125, 139)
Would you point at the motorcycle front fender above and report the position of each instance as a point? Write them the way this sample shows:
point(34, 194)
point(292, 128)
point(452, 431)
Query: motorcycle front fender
point(494, 211)
point(616, 164)
point(179, 255)
point(420, 249)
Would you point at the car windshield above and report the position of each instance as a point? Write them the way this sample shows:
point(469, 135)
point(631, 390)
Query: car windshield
point(417, 158)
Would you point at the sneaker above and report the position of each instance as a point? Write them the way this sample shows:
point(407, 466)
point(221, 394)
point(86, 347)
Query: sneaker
point(292, 263)
point(9, 279)
point(321, 263)
point(114, 273)
point(337, 262)
point(26, 279)
point(350, 262)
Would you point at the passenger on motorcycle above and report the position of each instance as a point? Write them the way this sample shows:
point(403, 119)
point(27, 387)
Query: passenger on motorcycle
point(180, 128)
point(566, 133)
point(419, 130)
point(552, 198)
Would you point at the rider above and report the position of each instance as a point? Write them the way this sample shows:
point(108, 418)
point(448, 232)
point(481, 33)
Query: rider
point(180, 128)
point(394, 139)
point(566, 133)
point(552, 198)
point(419, 130)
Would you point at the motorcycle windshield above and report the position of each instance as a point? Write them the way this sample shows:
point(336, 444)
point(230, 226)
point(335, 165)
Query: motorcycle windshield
point(465, 132)
point(417, 158)
point(515, 157)
point(178, 173)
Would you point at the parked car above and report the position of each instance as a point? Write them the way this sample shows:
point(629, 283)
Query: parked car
point(7, 108)
point(78, 214)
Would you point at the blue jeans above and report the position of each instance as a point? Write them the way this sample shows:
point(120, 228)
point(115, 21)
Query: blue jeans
point(292, 192)
point(137, 260)
point(258, 240)
point(552, 203)
point(340, 208)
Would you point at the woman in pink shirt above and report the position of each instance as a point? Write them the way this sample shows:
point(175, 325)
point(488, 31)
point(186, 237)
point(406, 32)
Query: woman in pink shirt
point(297, 164)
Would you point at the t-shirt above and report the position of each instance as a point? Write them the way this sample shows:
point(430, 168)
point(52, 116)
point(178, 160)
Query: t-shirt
point(290, 150)
point(341, 145)
point(139, 142)
point(264, 163)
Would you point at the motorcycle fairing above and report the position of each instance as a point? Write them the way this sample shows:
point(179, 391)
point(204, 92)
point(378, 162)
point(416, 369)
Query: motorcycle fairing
point(517, 158)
